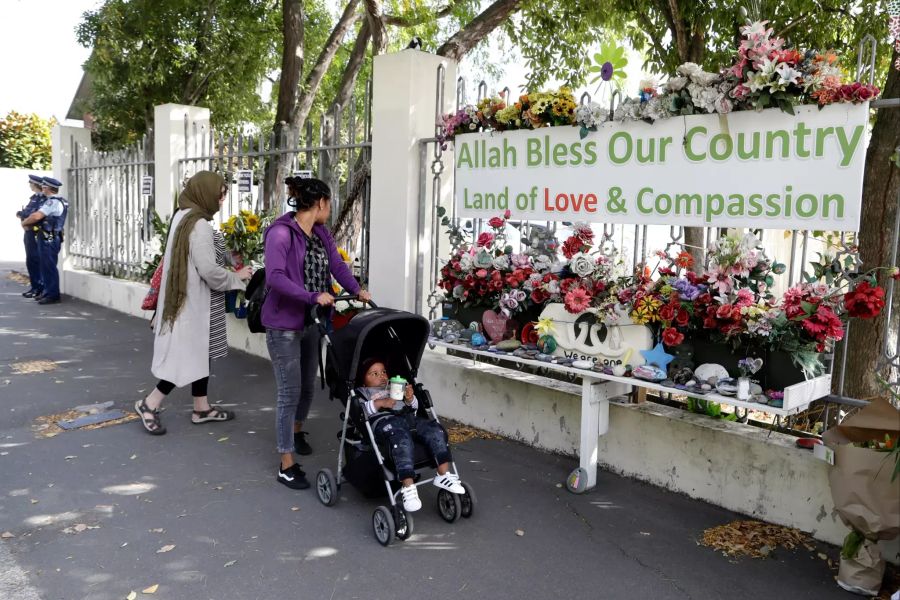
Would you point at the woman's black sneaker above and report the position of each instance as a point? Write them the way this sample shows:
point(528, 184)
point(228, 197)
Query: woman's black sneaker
point(293, 477)
point(300, 444)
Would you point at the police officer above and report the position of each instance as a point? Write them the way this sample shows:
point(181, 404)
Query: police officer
point(32, 258)
point(51, 218)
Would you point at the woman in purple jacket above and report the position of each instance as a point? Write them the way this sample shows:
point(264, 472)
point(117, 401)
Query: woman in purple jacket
point(301, 258)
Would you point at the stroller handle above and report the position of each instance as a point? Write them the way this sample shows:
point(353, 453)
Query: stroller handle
point(314, 312)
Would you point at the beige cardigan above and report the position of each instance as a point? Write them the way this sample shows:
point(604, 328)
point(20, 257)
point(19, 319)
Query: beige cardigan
point(181, 352)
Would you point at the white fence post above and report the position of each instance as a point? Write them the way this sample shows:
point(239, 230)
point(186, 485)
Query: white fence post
point(173, 141)
point(61, 140)
point(403, 112)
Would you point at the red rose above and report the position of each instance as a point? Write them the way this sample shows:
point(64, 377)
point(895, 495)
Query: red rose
point(672, 337)
point(864, 301)
point(539, 296)
point(481, 273)
point(724, 311)
point(571, 247)
point(667, 313)
point(507, 214)
point(495, 222)
point(682, 317)
point(866, 93)
point(485, 239)
point(709, 323)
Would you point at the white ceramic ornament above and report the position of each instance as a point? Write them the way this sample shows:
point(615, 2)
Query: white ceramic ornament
point(707, 370)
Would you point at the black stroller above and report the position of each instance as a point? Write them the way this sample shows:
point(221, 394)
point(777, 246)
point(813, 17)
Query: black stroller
point(399, 337)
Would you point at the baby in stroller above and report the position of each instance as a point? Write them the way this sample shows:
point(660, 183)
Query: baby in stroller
point(395, 428)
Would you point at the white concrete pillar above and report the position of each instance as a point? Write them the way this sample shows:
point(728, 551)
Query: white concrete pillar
point(173, 139)
point(63, 140)
point(403, 111)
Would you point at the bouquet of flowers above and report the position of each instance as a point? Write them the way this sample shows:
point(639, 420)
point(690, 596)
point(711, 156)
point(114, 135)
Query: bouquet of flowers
point(488, 273)
point(244, 236)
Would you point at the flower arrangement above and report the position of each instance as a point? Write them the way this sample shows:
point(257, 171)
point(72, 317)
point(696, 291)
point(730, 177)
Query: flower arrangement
point(765, 73)
point(244, 236)
point(729, 301)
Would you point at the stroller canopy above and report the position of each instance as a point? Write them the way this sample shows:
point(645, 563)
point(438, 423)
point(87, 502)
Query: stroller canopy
point(383, 332)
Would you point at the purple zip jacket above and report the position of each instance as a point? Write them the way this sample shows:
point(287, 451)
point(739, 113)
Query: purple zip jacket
point(287, 301)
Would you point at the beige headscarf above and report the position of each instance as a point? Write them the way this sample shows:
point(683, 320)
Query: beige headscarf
point(201, 197)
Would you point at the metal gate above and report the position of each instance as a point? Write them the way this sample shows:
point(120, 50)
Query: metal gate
point(108, 223)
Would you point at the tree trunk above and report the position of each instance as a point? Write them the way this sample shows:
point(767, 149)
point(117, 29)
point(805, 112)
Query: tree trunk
point(375, 19)
point(881, 188)
point(478, 28)
point(326, 56)
point(354, 64)
point(288, 91)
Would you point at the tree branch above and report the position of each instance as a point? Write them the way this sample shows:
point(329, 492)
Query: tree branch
point(326, 56)
point(354, 64)
point(375, 18)
point(478, 28)
point(401, 21)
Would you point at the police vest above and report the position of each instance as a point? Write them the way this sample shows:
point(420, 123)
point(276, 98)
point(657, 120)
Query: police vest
point(55, 223)
point(34, 203)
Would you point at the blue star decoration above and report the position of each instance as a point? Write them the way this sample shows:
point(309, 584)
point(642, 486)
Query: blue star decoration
point(658, 356)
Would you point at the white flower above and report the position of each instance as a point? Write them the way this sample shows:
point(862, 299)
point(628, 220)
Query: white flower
point(676, 84)
point(788, 75)
point(749, 242)
point(688, 69)
point(649, 83)
point(758, 81)
point(767, 66)
point(582, 265)
point(757, 28)
point(466, 263)
point(629, 110)
point(542, 263)
point(590, 115)
point(703, 98)
point(458, 292)
point(553, 287)
point(501, 263)
point(655, 109)
point(705, 79)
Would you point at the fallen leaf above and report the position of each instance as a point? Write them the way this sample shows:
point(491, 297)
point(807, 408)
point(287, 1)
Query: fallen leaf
point(131, 596)
point(6, 535)
point(520, 532)
point(151, 590)
point(295, 508)
point(133, 456)
point(159, 530)
point(822, 556)
point(222, 439)
point(230, 563)
point(3, 453)
point(70, 457)
point(166, 548)
point(645, 533)
point(124, 544)
point(33, 501)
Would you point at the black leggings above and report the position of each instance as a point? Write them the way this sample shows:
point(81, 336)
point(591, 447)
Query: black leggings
point(198, 388)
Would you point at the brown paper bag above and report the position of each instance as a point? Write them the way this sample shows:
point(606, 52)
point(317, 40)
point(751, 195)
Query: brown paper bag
point(863, 573)
point(864, 496)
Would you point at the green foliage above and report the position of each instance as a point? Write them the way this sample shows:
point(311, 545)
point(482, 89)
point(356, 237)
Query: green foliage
point(25, 141)
point(151, 52)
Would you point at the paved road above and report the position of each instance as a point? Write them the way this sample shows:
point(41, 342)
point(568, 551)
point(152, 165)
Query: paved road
point(234, 530)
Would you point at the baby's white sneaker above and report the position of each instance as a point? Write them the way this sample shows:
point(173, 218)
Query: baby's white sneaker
point(450, 482)
point(411, 502)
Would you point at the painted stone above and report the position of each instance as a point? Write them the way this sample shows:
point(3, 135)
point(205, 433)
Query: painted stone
point(441, 327)
point(478, 340)
point(582, 364)
point(617, 340)
point(727, 386)
point(649, 373)
point(618, 370)
point(544, 357)
point(509, 345)
point(495, 326)
point(708, 371)
point(547, 344)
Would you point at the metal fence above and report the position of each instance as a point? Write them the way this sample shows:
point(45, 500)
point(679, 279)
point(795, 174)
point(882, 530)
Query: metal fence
point(108, 223)
point(336, 149)
point(634, 242)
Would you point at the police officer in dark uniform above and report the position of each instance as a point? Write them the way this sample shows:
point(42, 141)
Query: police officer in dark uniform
point(32, 258)
point(51, 218)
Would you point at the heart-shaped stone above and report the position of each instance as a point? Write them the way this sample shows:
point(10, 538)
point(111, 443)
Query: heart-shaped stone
point(495, 326)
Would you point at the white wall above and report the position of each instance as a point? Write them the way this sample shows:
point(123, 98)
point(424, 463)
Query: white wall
point(15, 192)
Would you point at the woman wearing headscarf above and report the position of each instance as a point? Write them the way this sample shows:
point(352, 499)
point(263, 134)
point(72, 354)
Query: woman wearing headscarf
point(301, 259)
point(191, 283)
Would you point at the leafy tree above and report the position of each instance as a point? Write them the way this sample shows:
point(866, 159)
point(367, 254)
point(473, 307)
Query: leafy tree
point(25, 141)
point(148, 52)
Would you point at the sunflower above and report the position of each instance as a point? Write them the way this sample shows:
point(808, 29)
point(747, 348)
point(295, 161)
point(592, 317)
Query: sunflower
point(645, 311)
point(252, 222)
point(344, 256)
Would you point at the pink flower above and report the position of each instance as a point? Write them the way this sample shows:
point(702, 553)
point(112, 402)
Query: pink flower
point(719, 279)
point(577, 300)
point(744, 297)
point(507, 214)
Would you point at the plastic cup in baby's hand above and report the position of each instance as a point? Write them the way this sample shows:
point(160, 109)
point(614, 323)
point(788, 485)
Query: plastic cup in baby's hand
point(398, 388)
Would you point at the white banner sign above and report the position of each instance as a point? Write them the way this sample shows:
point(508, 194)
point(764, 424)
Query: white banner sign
point(763, 169)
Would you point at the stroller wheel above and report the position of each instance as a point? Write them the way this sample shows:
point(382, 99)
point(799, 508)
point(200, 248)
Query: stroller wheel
point(449, 506)
point(326, 487)
point(467, 501)
point(383, 524)
point(404, 522)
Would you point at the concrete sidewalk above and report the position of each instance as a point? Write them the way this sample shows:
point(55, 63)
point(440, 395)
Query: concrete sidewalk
point(210, 492)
